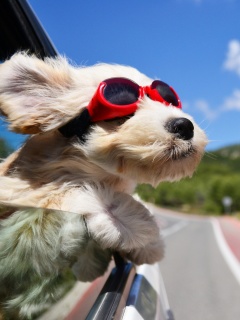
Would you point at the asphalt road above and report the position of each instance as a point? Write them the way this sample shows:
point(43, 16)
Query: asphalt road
point(198, 281)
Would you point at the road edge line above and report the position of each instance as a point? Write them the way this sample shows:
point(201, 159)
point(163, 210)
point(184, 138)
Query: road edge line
point(227, 254)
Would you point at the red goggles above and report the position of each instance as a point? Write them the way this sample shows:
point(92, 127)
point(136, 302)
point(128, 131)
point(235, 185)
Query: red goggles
point(119, 97)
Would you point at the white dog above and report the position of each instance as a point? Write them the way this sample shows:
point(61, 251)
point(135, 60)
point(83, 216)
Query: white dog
point(91, 141)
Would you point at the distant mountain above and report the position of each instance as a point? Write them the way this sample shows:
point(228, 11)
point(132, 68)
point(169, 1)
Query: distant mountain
point(228, 158)
point(231, 152)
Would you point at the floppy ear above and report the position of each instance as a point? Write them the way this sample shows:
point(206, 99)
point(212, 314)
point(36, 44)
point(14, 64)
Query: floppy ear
point(37, 95)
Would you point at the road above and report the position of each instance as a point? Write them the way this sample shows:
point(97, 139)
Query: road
point(198, 281)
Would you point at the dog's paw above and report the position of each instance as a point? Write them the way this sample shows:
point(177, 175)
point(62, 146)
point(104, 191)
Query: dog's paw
point(123, 224)
point(149, 254)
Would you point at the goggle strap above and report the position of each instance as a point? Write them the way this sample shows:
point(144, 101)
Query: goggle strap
point(78, 126)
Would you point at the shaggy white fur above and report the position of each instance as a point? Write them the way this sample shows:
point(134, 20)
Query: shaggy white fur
point(86, 184)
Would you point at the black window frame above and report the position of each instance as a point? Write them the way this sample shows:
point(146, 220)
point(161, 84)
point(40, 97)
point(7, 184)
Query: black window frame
point(21, 30)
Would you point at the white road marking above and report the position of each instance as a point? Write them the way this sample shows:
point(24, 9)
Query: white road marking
point(229, 257)
point(173, 229)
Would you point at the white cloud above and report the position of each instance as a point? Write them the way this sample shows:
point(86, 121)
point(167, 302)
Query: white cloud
point(232, 102)
point(203, 106)
point(232, 62)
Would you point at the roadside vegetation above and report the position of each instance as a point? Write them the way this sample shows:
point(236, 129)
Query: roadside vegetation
point(217, 177)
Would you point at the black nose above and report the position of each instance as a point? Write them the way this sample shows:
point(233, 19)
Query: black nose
point(182, 128)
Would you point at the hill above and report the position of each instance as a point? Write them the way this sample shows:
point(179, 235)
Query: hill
point(230, 152)
point(217, 176)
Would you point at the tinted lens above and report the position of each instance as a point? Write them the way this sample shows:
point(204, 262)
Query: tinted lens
point(121, 93)
point(165, 92)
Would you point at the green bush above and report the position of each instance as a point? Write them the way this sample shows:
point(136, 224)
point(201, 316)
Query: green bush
point(218, 176)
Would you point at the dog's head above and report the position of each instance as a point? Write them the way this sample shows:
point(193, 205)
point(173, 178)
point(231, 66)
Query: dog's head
point(150, 143)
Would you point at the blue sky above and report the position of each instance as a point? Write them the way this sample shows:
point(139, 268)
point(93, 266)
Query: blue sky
point(194, 45)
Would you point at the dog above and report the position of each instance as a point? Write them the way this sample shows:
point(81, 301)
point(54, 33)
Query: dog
point(94, 133)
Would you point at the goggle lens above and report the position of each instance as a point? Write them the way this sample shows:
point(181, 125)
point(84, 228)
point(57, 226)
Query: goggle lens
point(122, 92)
point(165, 92)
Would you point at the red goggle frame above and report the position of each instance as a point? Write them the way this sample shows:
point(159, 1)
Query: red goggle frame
point(119, 97)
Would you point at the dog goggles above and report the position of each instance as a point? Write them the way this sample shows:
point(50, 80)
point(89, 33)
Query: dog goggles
point(119, 97)
point(116, 98)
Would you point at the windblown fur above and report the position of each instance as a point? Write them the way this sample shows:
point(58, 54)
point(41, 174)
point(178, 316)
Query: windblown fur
point(86, 184)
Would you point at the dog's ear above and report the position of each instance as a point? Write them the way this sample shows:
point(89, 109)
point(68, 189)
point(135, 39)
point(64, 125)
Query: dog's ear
point(37, 95)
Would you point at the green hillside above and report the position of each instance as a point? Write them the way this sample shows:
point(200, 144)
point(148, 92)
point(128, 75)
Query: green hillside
point(217, 176)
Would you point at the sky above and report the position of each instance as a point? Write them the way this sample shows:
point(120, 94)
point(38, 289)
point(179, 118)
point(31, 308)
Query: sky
point(193, 45)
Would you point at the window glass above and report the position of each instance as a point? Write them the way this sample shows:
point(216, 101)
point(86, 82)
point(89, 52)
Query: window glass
point(39, 266)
